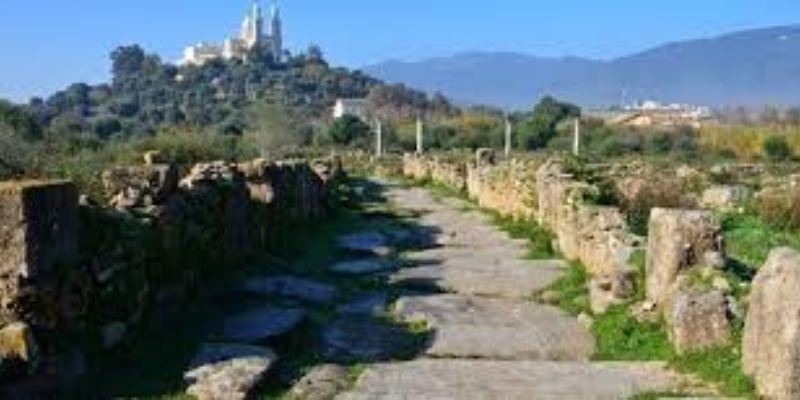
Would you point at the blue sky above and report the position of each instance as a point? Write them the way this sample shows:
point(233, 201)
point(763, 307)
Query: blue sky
point(47, 44)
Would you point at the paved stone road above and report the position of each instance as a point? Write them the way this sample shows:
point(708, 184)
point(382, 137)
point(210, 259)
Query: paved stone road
point(490, 340)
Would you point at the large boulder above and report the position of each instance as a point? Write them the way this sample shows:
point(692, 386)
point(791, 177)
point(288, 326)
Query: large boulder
point(698, 319)
point(771, 343)
point(678, 241)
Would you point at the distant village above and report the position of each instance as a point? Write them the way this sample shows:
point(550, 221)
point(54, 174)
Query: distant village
point(653, 113)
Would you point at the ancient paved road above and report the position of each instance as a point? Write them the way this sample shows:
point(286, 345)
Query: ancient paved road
point(490, 339)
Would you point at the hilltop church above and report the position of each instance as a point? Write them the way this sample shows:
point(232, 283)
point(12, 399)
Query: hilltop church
point(250, 37)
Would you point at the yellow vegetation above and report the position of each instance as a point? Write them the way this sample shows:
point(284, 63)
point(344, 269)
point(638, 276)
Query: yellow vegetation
point(746, 141)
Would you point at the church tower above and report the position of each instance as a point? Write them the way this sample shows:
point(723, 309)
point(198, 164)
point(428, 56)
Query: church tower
point(253, 27)
point(275, 32)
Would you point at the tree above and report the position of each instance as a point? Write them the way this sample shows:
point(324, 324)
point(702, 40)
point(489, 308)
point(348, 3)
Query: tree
point(537, 130)
point(349, 130)
point(127, 61)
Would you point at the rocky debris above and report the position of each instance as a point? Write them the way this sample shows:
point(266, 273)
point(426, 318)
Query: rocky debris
point(321, 383)
point(153, 157)
point(610, 290)
point(356, 338)
point(771, 343)
point(227, 371)
point(363, 266)
point(140, 186)
point(256, 325)
point(19, 353)
point(513, 380)
point(698, 320)
point(38, 233)
point(725, 197)
point(208, 173)
point(678, 241)
point(369, 242)
point(475, 327)
point(373, 303)
point(290, 286)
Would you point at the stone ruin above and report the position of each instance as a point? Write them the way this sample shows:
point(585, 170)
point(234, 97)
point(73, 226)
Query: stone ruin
point(685, 253)
point(91, 270)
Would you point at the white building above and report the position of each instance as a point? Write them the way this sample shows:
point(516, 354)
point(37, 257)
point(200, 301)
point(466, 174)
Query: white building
point(251, 36)
point(354, 107)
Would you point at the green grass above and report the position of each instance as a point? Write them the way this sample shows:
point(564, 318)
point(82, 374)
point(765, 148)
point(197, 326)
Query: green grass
point(540, 240)
point(572, 294)
point(620, 337)
point(722, 366)
point(749, 239)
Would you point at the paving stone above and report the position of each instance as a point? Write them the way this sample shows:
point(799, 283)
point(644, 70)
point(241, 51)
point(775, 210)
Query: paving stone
point(289, 286)
point(364, 266)
point(373, 303)
point(321, 383)
point(364, 242)
point(355, 338)
point(259, 324)
point(512, 380)
point(501, 329)
point(227, 371)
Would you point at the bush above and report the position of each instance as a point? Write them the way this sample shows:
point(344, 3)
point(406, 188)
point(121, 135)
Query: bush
point(780, 208)
point(776, 148)
point(349, 130)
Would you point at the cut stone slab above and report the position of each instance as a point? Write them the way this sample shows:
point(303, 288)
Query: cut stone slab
point(499, 329)
point(362, 267)
point(259, 324)
point(373, 303)
point(482, 276)
point(227, 371)
point(364, 242)
point(354, 338)
point(512, 380)
point(289, 286)
point(321, 383)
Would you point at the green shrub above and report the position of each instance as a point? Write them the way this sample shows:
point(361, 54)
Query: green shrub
point(776, 148)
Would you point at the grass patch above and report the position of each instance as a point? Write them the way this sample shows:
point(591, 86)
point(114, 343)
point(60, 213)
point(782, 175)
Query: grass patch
point(620, 337)
point(540, 240)
point(722, 366)
point(571, 292)
point(749, 239)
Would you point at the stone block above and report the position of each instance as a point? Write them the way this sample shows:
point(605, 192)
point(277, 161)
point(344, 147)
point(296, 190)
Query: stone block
point(679, 240)
point(698, 320)
point(38, 233)
point(771, 343)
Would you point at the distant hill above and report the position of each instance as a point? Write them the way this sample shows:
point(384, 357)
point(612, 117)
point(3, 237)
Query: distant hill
point(745, 68)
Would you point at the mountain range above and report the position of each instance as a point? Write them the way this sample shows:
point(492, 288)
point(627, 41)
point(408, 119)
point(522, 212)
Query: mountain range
point(753, 67)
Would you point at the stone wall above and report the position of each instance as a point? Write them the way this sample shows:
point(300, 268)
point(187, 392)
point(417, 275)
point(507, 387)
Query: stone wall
point(596, 236)
point(93, 271)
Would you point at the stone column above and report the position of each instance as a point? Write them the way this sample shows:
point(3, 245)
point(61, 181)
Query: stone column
point(576, 145)
point(378, 138)
point(508, 138)
point(420, 143)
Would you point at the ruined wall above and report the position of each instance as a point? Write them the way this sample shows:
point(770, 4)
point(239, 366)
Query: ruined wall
point(89, 273)
point(506, 187)
point(596, 236)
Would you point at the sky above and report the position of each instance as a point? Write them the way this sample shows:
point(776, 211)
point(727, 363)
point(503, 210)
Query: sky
point(47, 44)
